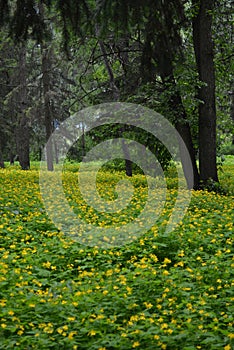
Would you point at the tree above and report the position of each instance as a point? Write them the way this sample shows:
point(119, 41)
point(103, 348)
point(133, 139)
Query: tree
point(204, 52)
point(223, 37)
point(132, 47)
point(8, 83)
point(161, 46)
point(2, 165)
point(22, 128)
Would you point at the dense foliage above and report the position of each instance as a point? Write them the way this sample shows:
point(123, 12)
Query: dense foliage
point(162, 290)
point(83, 53)
point(171, 291)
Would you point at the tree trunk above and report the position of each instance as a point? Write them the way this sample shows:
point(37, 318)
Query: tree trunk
point(2, 165)
point(46, 53)
point(22, 129)
point(203, 47)
point(183, 129)
point(12, 159)
point(232, 111)
point(128, 163)
point(83, 140)
point(56, 152)
point(116, 96)
point(163, 55)
point(182, 125)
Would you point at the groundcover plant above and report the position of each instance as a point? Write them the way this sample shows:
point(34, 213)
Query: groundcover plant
point(161, 291)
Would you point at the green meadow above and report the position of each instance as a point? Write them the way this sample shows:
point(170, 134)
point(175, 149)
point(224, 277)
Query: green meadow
point(162, 290)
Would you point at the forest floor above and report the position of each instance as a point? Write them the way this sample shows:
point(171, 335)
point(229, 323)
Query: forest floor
point(161, 290)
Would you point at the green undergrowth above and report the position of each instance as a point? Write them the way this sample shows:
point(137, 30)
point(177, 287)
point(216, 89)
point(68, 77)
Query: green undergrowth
point(162, 290)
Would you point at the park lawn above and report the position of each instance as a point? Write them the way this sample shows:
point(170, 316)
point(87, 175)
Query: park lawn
point(162, 291)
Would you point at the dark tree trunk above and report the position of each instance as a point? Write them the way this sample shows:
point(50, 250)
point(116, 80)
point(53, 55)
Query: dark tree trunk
point(22, 129)
point(83, 141)
point(12, 159)
point(116, 96)
point(56, 152)
point(2, 165)
point(203, 47)
point(183, 129)
point(163, 53)
point(182, 125)
point(1, 151)
point(232, 111)
point(128, 163)
point(22, 141)
point(46, 54)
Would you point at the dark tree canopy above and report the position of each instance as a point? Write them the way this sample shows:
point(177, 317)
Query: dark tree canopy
point(140, 51)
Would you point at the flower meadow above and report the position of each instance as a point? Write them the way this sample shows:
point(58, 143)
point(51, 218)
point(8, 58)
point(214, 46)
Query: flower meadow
point(161, 291)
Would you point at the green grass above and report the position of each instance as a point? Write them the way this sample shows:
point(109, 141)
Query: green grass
point(161, 291)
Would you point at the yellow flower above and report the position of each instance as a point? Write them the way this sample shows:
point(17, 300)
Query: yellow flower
point(189, 270)
point(109, 272)
point(71, 318)
point(231, 335)
point(3, 302)
point(129, 290)
point(181, 253)
point(48, 329)
point(46, 264)
point(134, 318)
point(167, 261)
point(165, 272)
point(164, 325)
point(78, 293)
point(227, 347)
point(148, 305)
point(92, 332)
point(156, 337)
point(135, 344)
point(71, 334)
point(99, 317)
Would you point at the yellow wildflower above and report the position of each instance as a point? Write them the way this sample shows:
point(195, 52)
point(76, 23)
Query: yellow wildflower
point(135, 344)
